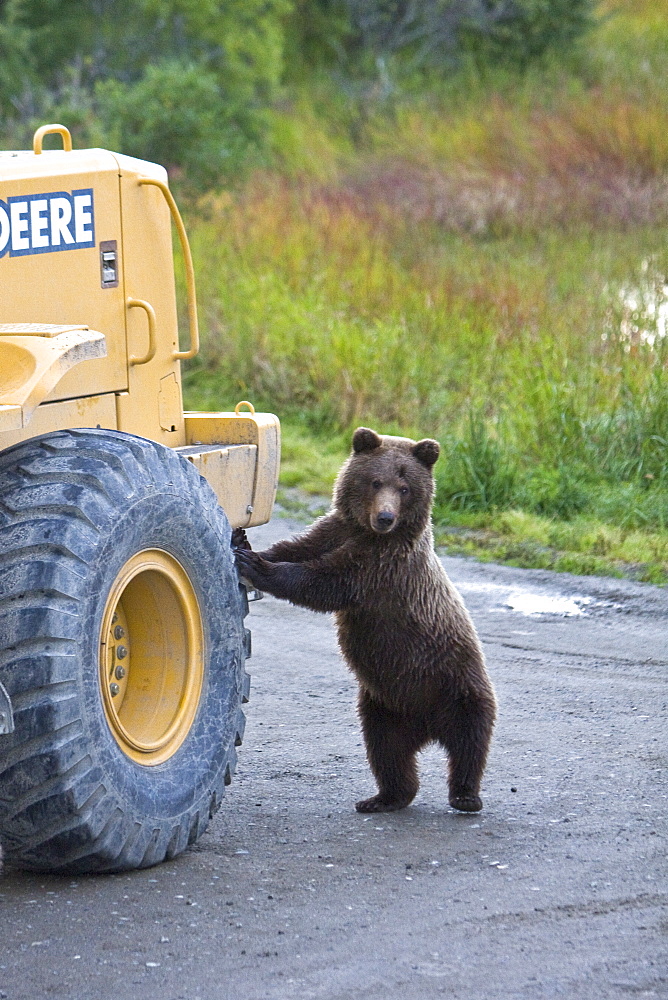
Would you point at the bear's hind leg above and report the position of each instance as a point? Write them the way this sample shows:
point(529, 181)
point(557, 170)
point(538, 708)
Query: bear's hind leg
point(466, 733)
point(391, 746)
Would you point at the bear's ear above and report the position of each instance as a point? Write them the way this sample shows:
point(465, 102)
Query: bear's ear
point(426, 451)
point(364, 439)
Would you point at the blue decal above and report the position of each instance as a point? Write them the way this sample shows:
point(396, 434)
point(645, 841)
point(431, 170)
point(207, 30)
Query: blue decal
point(47, 223)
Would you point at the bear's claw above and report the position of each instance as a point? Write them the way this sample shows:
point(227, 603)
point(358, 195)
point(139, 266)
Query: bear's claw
point(239, 539)
point(252, 567)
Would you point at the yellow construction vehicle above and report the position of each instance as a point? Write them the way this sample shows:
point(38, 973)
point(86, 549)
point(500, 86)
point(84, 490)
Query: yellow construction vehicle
point(122, 643)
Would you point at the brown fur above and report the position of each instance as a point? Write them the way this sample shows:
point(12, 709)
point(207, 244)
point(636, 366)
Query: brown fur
point(402, 626)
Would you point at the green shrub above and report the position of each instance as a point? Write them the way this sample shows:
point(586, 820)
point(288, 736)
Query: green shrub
point(634, 437)
point(16, 61)
point(369, 35)
point(475, 473)
point(559, 492)
point(177, 114)
point(521, 32)
point(186, 82)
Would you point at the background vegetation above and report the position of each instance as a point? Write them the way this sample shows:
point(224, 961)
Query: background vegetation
point(431, 217)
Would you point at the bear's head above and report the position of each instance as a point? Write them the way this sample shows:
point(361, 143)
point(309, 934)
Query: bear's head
point(387, 484)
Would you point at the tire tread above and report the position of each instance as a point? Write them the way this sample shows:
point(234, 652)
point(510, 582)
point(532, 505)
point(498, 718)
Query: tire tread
point(57, 494)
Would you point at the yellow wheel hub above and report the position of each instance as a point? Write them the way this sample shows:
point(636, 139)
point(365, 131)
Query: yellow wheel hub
point(151, 657)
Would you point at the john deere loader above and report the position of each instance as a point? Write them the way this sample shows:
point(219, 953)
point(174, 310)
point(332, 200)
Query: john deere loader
point(122, 643)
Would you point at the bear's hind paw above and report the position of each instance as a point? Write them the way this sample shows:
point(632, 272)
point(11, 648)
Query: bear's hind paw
point(377, 804)
point(466, 803)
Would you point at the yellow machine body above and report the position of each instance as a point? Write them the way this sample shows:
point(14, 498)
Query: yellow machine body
point(88, 320)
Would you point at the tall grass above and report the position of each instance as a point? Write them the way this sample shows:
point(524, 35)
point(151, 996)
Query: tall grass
point(485, 263)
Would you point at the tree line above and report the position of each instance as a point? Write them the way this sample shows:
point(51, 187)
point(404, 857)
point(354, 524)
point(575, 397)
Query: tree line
point(192, 83)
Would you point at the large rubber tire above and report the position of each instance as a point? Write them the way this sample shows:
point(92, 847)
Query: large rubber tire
point(81, 514)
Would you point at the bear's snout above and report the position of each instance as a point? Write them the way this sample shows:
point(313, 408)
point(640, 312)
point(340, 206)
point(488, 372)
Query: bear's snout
point(385, 520)
point(384, 511)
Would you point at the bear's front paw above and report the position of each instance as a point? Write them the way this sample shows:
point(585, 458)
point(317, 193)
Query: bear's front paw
point(253, 568)
point(239, 539)
point(377, 804)
point(466, 803)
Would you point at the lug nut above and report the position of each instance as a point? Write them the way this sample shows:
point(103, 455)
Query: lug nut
point(121, 652)
point(114, 688)
point(120, 673)
point(119, 632)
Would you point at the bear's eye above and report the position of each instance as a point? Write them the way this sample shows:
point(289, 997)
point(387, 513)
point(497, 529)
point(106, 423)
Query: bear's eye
point(404, 490)
point(376, 484)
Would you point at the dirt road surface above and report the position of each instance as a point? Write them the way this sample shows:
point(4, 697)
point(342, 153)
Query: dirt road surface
point(558, 888)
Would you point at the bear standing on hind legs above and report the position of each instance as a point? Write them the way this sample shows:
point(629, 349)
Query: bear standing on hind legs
point(402, 626)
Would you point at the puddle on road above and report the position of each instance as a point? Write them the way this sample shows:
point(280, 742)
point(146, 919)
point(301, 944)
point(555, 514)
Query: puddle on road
point(541, 604)
point(526, 602)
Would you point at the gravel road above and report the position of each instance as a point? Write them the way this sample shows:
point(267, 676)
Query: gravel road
point(558, 888)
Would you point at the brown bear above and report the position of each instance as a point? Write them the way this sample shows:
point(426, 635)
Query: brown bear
point(402, 626)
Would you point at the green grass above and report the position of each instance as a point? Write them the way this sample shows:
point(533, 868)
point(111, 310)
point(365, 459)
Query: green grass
point(584, 546)
point(485, 263)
